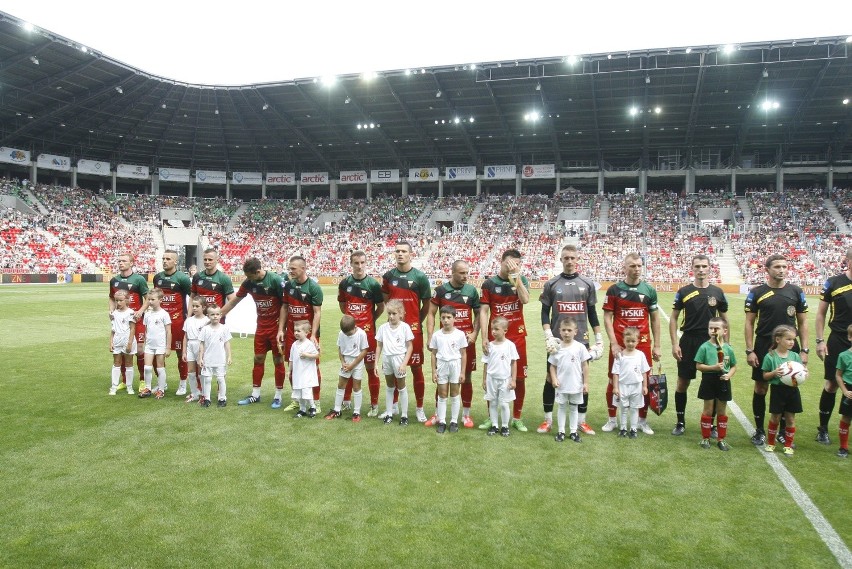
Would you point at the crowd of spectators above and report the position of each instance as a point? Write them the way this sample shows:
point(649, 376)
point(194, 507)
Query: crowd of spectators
point(82, 232)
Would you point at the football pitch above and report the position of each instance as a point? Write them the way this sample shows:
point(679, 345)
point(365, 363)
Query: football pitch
point(91, 480)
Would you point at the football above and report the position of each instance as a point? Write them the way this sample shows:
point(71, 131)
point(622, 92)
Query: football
point(552, 345)
point(794, 374)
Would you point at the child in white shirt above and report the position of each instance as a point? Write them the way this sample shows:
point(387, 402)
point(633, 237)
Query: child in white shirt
point(158, 343)
point(352, 348)
point(569, 375)
point(394, 346)
point(303, 369)
point(449, 357)
point(192, 327)
point(122, 341)
point(499, 375)
point(630, 381)
point(214, 356)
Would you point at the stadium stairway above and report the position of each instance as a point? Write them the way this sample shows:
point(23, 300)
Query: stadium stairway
point(603, 217)
point(729, 272)
point(34, 200)
point(743, 203)
point(425, 215)
point(235, 219)
point(842, 227)
point(69, 251)
point(474, 215)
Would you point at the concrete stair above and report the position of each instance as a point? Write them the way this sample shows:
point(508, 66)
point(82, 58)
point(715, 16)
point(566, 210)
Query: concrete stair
point(842, 227)
point(729, 271)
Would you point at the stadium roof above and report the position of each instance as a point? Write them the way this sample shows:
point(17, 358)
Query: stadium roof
point(679, 106)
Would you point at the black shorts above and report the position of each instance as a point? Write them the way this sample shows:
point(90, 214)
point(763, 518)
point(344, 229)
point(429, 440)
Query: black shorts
point(836, 344)
point(784, 399)
point(689, 344)
point(761, 348)
point(714, 388)
point(845, 405)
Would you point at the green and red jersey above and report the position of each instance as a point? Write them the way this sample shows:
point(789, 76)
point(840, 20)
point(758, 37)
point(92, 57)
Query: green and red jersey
point(134, 284)
point(215, 288)
point(268, 296)
point(631, 305)
point(359, 299)
point(465, 301)
point(176, 289)
point(501, 296)
point(300, 300)
point(413, 289)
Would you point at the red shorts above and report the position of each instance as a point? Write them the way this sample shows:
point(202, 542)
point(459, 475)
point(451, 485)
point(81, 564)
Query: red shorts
point(417, 354)
point(177, 335)
point(265, 342)
point(140, 332)
point(370, 358)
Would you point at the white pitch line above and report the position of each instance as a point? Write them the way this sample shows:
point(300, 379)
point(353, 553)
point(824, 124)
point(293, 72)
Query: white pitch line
point(824, 529)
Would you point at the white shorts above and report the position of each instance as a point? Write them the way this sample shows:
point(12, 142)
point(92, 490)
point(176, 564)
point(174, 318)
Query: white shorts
point(121, 348)
point(304, 393)
point(390, 365)
point(498, 389)
point(569, 398)
point(155, 350)
point(356, 372)
point(218, 371)
point(630, 396)
point(449, 371)
point(191, 351)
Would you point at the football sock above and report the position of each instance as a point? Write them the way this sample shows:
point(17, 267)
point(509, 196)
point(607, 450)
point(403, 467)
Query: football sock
point(303, 405)
point(634, 418)
point(347, 392)
point(573, 413)
point(609, 405)
point(581, 415)
point(193, 385)
point(504, 412)
point(403, 402)
point(706, 425)
point(758, 408)
point(338, 397)
point(161, 378)
point(182, 384)
point(129, 377)
point(257, 375)
point(623, 418)
point(206, 380)
point(419, 385)
point(520, 392)
point(277, 395)
point(149, 376)
point(312, 404)
point(455, 406)
point(844, 434)
point(643, 412)
point(181, 367)
point(280, 375)
point(389, 391)
point(584, 406)
point(722, 423)
point(492, 414)
point(465, 410)
point(680, 407)
point(467, 395)
point(357, 401)
point(223, 388)
point(116, 375)
point(826, 406)
point(548, 417)
point(374, 384)
point(782, 425)
point(441, 412)
point(548, 396)
point(790, 434)
point(560, 418)
point(771, 433)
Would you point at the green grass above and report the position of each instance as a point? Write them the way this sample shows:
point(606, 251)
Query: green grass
point(93, 480)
